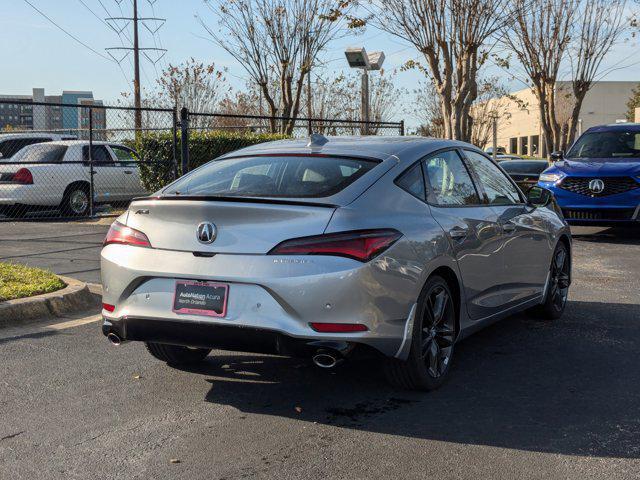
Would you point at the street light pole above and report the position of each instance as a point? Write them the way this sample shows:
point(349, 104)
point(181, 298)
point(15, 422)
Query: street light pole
point(364, 101)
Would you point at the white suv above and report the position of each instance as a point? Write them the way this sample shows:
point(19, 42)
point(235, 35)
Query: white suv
point(58, 174)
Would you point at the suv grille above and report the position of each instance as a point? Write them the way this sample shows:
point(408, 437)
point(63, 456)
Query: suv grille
point(599, 214)
point(612, 185)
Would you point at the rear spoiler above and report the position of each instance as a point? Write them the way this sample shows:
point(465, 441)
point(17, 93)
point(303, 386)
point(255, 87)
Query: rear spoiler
point(233, 199)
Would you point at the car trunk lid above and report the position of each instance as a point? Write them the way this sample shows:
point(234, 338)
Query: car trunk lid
point(242, 226)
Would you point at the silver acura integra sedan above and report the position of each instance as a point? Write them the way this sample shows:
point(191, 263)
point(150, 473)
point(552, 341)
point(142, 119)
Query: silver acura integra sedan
point(329, 246)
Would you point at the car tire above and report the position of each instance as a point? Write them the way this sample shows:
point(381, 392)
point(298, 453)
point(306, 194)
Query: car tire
point(76, 202)
point(176, 354)
point(558, 288)
point(432, 341)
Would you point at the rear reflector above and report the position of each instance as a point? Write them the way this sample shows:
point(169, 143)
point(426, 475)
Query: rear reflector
point(360, 245)
point(108, 308)
point(119, 233)
point(338, 327)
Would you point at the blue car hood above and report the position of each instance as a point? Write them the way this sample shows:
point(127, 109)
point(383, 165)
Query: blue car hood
point(599, 167)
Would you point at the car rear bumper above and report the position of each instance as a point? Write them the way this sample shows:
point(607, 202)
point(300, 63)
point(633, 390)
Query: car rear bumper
point(272, 295)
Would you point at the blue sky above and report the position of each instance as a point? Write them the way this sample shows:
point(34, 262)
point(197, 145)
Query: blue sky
point(35, 53)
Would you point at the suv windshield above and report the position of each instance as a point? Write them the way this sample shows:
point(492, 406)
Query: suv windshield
point(611, 144)
point(277, 176)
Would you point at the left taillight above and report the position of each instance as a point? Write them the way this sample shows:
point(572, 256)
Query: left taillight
point(23, 177)
point(361, 245)
point(119, 233)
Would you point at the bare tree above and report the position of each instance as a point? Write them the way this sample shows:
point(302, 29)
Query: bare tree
point(493, 102)
point(453, 36)
point(549, 33)
point(429, 111)
point(277, 42)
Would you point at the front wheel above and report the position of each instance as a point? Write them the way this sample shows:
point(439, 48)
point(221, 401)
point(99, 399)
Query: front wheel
point(558, 286)
point(176, 354)
point(434, 333)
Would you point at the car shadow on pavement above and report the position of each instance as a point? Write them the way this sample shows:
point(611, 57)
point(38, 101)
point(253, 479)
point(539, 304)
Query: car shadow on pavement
point(570, 387)
point(613, 235)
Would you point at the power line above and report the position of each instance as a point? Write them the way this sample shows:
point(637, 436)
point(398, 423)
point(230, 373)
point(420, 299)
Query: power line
point(66, 32)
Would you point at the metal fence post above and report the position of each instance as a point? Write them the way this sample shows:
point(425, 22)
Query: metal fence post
point(184, 138)
point(175, 142)
point(91, 170)
point(310, 126)
point(402, 128)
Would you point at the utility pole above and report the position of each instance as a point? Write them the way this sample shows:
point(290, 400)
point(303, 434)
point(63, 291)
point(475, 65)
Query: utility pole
point(364, 101)
point(494, 152)
point(136, 69)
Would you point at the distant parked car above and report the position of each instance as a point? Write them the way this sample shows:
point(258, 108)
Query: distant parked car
point(57, 174)
point(499, 151)
point(524, 172)
point(598, 180)
point(502, 158)
point(12, 143)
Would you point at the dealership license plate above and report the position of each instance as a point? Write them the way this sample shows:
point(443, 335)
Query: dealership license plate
point(201, 298)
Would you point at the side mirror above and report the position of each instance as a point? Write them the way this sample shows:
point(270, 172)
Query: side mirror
point(539, 197)
point(557, 156)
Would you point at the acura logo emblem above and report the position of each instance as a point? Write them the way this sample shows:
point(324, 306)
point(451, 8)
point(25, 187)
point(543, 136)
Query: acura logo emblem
point(596, 185)
point(206, 232)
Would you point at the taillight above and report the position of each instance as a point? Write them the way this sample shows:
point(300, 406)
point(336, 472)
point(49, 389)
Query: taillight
point(360, 245)
point(119, 233)
point(338, 327)
point(22, 176)
point(108, 307)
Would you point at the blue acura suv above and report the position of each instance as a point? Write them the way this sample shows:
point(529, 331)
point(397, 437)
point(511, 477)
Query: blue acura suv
point(597, 182)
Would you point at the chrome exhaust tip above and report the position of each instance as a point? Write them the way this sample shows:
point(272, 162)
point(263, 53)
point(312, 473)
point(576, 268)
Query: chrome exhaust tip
point(114, 339)
point(326, 359)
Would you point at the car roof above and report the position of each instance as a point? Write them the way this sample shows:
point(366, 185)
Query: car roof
point(614, 127)
point(14, 136)
point(405, 148)
point(69, 143)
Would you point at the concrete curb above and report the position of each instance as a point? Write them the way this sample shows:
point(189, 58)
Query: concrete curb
point(75, 297)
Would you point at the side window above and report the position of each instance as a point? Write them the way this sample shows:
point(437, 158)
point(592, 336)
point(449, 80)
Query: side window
point(412, 181)
point(100, 155)
point(499, 190)
point(448, 180)
point(124, 155)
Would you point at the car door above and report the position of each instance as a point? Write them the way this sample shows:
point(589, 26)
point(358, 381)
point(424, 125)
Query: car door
point(472, 229)
point(526, 243)
point(108, 180)
point(127, 161)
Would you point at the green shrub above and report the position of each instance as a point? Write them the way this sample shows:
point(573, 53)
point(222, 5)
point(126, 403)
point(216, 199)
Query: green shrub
point(156, 152)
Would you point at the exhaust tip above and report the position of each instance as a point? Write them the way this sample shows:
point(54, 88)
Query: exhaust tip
point(114, 339)
point(325, 360)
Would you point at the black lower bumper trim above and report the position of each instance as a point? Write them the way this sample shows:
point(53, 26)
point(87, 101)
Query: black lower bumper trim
point(215, 336)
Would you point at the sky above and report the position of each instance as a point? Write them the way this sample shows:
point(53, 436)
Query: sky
point(34, 53)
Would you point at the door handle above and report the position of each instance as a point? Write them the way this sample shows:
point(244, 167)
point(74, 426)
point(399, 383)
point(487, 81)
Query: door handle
point(128, 172)
point(508, 227)
point(458, 233)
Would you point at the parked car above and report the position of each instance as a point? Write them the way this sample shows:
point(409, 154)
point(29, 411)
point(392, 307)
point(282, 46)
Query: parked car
point(524, 172)
point(12, 143)
point(597, 182)
point(399, 246)
point(57, 174)
point(499, 151)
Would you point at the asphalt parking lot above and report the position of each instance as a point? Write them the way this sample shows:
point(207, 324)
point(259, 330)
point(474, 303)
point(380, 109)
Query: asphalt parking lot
point(526, 399)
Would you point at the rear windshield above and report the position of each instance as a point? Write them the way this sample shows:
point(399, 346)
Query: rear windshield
point(528, 168)
point(613, 144)
point(277, 176)
point(43, 153)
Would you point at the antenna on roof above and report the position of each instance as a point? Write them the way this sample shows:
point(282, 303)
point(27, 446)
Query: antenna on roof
point(317, 140)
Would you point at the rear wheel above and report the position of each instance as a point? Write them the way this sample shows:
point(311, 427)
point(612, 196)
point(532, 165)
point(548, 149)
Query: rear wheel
point(434, 333)
point(558, 287)
point(76, 200)
point(176, 354)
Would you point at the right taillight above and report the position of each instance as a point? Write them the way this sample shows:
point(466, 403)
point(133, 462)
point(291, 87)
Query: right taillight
point(119, 233)
point(23, 177)
point(361, 245)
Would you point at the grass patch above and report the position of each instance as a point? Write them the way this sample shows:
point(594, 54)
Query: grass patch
point(19, 281)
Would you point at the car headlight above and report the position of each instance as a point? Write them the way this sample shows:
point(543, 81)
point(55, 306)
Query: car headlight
point(550, 177)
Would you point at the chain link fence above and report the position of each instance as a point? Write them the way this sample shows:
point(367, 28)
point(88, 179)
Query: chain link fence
point(61, 161)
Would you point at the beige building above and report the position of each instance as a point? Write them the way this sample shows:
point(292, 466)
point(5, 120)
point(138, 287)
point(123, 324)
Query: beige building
point(519, 129)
